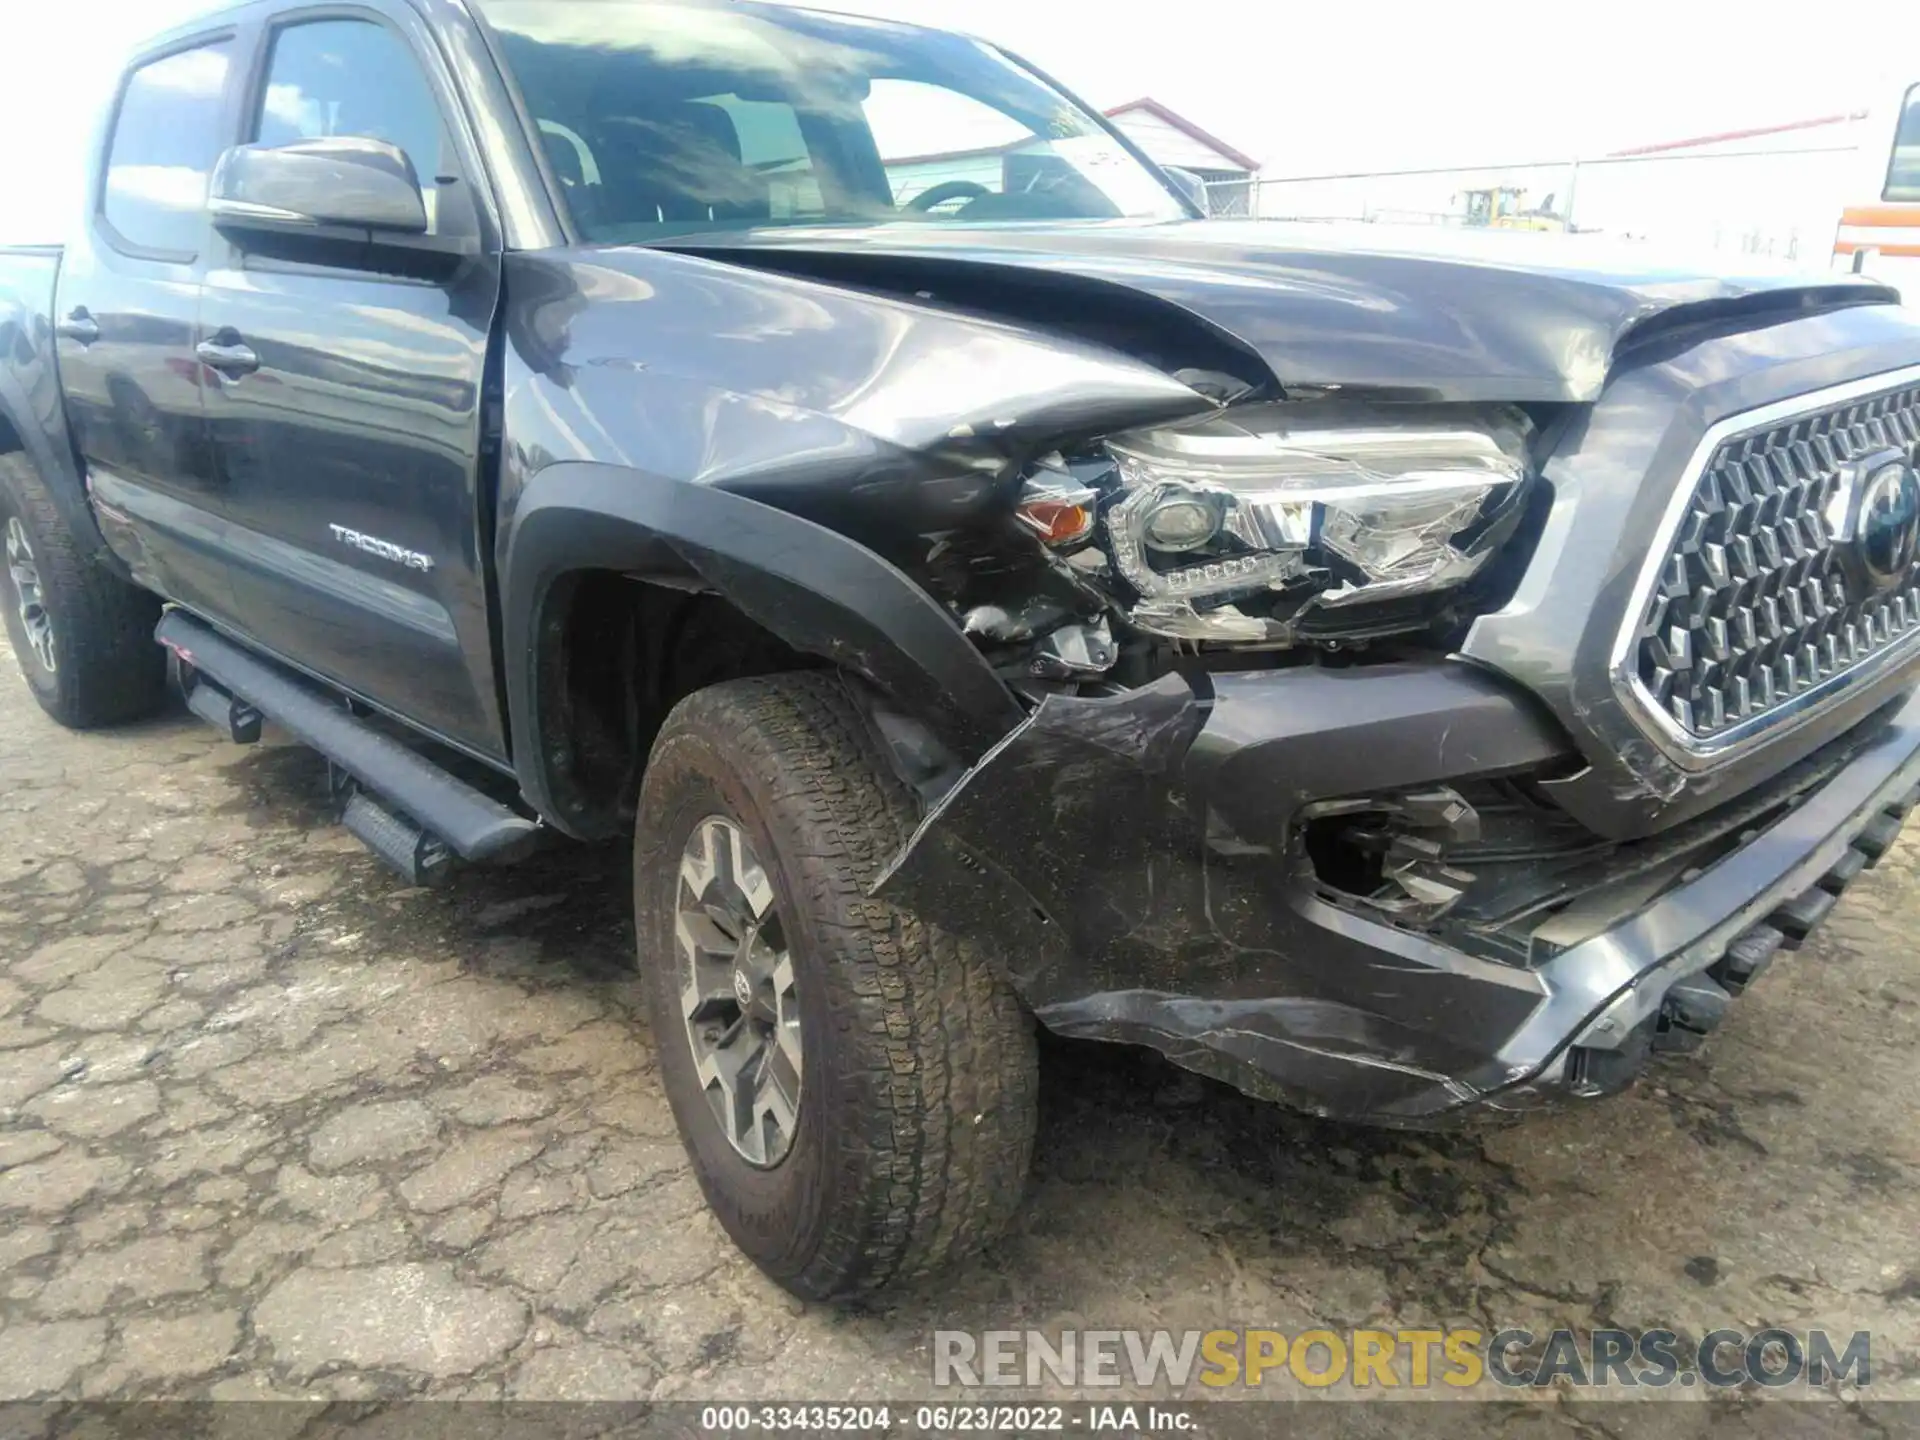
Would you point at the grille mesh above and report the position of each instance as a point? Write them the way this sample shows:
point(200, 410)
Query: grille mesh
point(1752, 607)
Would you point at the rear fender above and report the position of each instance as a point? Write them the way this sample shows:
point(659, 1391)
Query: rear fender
point(31, 411)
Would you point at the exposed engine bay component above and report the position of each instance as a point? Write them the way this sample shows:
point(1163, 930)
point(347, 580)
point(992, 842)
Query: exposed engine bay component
point(1237, 527)
point(1009, 625)
point(1075, 652)
point(1390, 851)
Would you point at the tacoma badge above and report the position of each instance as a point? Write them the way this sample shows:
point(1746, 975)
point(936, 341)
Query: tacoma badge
point(385, 549)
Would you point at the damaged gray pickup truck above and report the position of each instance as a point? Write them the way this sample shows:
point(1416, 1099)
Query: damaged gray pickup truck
point(1394, 675)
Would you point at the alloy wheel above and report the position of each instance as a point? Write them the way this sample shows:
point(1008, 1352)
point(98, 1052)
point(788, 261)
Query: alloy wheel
point(737, 992)
point(24, 572)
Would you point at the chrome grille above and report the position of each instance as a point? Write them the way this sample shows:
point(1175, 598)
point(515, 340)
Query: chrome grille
point(1751, 610)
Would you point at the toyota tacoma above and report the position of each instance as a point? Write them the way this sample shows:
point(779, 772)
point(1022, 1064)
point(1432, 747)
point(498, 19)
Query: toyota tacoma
point(1401, 675)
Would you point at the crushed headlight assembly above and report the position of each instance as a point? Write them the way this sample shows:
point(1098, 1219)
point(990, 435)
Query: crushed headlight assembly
point(1239, 526)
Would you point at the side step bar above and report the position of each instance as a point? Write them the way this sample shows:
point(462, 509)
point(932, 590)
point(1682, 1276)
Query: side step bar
point(446, 812)
point(417, 856)
point(239, 720)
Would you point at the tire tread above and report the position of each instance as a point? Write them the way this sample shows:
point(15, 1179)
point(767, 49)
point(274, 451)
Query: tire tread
point(111, 669)
point(945, 1131)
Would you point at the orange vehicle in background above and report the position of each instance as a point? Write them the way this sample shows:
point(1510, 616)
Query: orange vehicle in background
point(1881, 236)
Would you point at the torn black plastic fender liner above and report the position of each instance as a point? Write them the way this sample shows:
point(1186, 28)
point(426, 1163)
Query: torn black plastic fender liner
point(1074, 808)
point(1135, 899)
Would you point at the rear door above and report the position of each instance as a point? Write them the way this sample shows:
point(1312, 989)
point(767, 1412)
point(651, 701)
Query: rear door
point(348, 440)
point(126, 315)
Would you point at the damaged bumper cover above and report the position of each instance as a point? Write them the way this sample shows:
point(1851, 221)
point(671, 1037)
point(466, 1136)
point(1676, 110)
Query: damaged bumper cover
point(1137, 860)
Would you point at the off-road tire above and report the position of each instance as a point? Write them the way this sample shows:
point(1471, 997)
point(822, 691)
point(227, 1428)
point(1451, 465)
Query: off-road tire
point(107, 668)
point(917, 1107)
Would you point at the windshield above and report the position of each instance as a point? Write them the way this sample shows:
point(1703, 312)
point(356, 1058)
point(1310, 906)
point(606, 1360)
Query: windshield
point(665, 118)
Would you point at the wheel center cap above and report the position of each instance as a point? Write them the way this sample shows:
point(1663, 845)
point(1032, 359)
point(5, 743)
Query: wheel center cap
point(742, 989)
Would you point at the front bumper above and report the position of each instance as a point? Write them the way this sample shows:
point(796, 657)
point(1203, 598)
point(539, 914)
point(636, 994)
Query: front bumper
point(1136, 859)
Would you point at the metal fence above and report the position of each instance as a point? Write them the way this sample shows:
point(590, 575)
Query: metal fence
point(1780, 202)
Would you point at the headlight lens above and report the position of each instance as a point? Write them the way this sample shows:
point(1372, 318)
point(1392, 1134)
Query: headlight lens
point(1228, 529)
point(1180, 520)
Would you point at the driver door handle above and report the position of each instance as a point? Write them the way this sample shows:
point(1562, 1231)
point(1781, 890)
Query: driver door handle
point(228, 354)
point(79, 327)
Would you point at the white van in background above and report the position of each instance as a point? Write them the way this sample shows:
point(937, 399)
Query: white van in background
point(1881, 236)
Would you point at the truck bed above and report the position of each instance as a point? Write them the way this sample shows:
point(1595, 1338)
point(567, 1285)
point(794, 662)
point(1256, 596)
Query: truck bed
point(27, 276)
point(27, 273)
point(30, 399)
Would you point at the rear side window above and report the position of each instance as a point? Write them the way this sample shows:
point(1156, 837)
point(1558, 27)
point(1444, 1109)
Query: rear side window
point(166, 137)
point(352, 77)
point(1903, 175)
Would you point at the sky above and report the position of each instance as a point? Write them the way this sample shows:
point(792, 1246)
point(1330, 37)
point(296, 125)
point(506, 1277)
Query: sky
point(1304, 86)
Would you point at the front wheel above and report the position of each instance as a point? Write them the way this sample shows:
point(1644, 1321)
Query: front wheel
point(856, 1089)
point(83, 637)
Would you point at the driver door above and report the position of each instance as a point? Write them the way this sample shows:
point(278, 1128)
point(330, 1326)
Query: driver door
point(346, 416)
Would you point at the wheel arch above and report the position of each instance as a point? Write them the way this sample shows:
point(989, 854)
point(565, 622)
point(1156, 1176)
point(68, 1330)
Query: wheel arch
point(768, 588)
point(23, 434)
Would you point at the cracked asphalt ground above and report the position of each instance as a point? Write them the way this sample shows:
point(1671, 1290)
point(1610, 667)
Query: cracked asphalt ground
point(273, 1125)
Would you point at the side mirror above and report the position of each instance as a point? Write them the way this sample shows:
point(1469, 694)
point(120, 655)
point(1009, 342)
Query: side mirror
point(345, 181)
point(1191, 186)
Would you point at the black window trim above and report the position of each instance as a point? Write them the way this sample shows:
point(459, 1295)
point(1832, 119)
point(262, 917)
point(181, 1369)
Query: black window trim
point(1909, 104)
point(115, 240)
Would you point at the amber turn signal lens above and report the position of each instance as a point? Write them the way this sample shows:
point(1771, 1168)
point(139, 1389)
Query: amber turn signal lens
point(1057, 521)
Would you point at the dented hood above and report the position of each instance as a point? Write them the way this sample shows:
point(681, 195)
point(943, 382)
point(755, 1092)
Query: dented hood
point(1443, 314)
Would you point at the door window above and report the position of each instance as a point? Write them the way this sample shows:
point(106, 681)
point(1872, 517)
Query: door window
point(166, 137)
point(353, 77)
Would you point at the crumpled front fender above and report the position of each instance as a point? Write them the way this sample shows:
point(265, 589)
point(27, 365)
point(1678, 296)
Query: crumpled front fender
point(819, 592)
